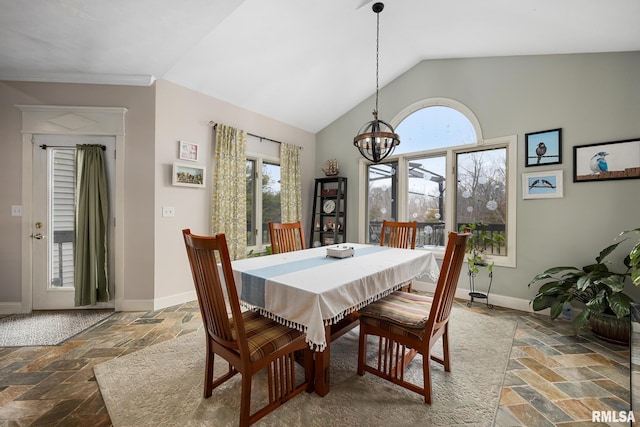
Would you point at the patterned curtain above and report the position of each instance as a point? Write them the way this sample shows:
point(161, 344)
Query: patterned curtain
point(229, 212)
point(92, 211)
point(290, 186)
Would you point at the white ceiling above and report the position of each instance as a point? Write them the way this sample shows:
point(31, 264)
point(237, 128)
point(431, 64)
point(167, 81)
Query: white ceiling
point(302, 62)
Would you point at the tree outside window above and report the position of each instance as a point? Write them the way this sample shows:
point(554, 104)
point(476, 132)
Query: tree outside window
point(439, 148)
point(263, 200)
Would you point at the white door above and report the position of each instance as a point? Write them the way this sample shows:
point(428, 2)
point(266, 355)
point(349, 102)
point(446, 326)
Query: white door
point(53, 218)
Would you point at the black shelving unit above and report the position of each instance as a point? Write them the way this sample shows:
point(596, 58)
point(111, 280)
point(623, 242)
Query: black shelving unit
point(329, 214)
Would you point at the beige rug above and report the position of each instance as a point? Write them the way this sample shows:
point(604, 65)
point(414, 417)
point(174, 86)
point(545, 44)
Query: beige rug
point(162, 385)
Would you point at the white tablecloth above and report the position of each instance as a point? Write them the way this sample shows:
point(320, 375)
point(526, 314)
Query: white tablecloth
point(307, 290)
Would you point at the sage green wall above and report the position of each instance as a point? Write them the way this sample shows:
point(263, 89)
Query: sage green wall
point(592, 97)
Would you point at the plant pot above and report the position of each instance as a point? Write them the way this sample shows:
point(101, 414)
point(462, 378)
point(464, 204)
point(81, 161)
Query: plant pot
point(610, 328)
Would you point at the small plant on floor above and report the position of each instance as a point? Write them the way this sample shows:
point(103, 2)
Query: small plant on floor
point(594, 285)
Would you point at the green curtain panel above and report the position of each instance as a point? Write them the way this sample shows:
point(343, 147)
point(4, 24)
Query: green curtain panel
point(92, 209)
point(229, 212)
point(290, 185)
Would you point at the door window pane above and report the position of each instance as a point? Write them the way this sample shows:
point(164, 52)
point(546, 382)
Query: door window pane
point(62, 211)
point(383, 190)
point(426, 199)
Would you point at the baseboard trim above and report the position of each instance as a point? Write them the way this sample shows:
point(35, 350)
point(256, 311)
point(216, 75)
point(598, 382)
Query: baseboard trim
point(175, 299)
point(494, 299)
point(134, 305)
point(12, 308)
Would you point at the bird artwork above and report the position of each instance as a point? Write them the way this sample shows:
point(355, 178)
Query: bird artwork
point(541, 150)
point(541, 183)
point(599, 163)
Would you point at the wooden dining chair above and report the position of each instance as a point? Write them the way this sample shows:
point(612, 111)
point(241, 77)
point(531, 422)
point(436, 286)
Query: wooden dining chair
point(286, 237)
point(399, 235)
point(247, 340)
point(409, 324)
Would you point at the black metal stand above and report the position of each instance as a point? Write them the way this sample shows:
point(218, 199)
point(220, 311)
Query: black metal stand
point(478, 295)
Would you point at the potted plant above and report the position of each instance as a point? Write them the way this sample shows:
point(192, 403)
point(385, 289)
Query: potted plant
point(478, 243)
point(597, 287)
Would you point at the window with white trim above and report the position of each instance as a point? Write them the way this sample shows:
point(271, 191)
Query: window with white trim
point(263, 200)
point(444, 175)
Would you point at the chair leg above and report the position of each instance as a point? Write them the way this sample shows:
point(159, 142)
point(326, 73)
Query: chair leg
point(208, 373)
point(245, 400)
point(426, 372)
point(445, 349)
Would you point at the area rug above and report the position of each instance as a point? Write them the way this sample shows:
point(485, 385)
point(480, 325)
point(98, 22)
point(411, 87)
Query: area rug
point(47, 327)
point(162, 385)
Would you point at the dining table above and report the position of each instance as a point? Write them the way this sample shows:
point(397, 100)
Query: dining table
point(320, 294)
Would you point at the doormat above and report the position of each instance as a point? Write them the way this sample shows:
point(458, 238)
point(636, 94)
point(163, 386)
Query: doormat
point(47, 327)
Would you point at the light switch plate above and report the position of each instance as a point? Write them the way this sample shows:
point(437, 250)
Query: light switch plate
point(16, 210)
point(168, 211)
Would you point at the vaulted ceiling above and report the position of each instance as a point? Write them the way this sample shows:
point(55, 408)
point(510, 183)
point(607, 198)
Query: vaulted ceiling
point(302, 62)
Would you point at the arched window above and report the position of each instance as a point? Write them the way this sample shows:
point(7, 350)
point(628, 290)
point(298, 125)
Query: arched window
point(444, 175)
point(435, 126)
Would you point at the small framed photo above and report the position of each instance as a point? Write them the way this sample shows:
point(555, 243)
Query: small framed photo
point(188, 175)
point(542, 185)
point(543, 148)
point(188, 151)
point(607, 160)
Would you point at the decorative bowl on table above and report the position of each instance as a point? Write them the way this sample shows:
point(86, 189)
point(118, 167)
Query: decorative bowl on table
point(340, 251)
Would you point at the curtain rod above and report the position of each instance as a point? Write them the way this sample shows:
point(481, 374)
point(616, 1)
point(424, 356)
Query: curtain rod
point(45, 146)
point(214, 125)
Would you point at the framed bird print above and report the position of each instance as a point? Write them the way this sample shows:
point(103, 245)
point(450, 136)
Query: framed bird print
point(543, 185)
point(543, 148)
point(607, 160)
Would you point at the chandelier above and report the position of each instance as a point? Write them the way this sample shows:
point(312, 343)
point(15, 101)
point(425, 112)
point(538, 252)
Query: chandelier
point(376, 140)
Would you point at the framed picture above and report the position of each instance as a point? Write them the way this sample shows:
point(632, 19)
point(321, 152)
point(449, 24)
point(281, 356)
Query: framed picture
point(607, 160)
point(188, 151)
point(543, 148)
point(189, 175)
point(542, 185)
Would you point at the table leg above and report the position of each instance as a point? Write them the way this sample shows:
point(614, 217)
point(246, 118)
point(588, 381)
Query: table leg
point(322, 366)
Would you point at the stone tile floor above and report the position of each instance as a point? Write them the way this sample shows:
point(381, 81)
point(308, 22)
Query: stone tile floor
point(553, 378)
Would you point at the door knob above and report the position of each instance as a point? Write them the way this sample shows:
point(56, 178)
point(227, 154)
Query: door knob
point(38, 236)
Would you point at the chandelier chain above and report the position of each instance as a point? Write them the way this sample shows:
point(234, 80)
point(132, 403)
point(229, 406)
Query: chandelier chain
point(377, 56)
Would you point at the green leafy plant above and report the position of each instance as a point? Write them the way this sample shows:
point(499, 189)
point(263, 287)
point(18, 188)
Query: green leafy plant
point(633, 259)
point(478, 243)
point(594, 285)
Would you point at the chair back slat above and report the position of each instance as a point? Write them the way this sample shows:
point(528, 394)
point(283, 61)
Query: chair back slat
point(211, 288)
point(286, 237)
point(448, 280)
point(398, 234)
